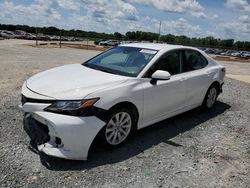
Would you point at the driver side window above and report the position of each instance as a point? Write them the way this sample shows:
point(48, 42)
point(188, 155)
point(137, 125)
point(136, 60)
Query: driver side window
point(170, 62)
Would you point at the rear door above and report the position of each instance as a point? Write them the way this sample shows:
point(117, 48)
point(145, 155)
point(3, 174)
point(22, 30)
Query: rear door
point(197, 76)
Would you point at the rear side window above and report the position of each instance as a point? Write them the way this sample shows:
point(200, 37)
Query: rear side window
point(193, 61)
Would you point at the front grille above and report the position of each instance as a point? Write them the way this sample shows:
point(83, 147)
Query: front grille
point(30, 100)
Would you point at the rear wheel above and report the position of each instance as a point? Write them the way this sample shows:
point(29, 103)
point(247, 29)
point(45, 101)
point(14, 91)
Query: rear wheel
point(210, 97)
point(118, 128)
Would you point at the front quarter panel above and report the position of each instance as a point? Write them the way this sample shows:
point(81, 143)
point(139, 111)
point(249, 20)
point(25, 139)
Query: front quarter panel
point(130, 91)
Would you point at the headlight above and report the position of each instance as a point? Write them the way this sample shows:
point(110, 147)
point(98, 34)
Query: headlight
point(75, 108)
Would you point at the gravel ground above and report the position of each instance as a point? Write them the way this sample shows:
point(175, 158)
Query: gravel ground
point(195, 149)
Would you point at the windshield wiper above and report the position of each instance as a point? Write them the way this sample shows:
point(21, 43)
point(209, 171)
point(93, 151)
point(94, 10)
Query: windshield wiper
point(108, 71)
point(91, 66)
point(98, 68)
point(87, 65)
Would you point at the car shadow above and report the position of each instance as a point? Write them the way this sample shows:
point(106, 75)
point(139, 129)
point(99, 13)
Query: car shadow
point(143, 139)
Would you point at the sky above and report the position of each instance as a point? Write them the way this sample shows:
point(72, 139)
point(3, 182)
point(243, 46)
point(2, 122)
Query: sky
point(226, 19)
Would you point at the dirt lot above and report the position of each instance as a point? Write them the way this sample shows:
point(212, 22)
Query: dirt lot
point(238, 70)
point(195, 149)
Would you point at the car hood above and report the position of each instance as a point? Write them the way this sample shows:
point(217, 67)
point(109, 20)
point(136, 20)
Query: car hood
point(72, 82)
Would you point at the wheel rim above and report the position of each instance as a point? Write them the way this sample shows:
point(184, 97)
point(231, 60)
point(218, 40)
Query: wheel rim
point(211, 98)
point(118, 128)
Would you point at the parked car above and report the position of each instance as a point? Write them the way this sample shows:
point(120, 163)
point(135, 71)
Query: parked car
point(236, 54)
point(54, 38)
point(109, 43)
point(245, 55)
point(41, 36)
point(7, 34)
point(127, 42)
point(97, 42)
point(209, 51)
point(124, 89)
point(29, 36)
point(19, 34)
point(227, 53)
point(218, 51)
point(63, 38)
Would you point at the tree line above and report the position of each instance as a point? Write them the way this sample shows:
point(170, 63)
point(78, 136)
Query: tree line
point(184, 40)
point(136, 36)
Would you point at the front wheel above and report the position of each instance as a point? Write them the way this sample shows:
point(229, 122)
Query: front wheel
point(118, 128)
point(210, 97)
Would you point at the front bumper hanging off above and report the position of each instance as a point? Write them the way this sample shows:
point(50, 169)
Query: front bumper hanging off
point(62, 136)
point(37, 131)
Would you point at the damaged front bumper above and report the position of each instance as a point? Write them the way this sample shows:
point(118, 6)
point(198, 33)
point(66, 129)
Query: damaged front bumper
point(62, 136)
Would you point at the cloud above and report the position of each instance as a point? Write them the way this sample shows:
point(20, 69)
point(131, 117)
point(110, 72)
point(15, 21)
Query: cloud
point(177, 27)
point(99, 15)
point(236, 3)
point(237, 29)
point(118, 23)
point(245, 19)
point(241, 5)
point(215, 16)
point(113, 14)
point(124, 15)
point(68, 4)
point(110, 9)
point(180, 6)
point(181, 27)
point(40, 12)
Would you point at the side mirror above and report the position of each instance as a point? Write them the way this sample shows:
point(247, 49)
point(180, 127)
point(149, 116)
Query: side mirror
point(161, 75)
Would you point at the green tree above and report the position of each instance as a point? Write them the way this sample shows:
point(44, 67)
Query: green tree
point(118, 35)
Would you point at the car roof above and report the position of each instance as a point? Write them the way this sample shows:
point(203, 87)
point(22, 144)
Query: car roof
point(156, 46)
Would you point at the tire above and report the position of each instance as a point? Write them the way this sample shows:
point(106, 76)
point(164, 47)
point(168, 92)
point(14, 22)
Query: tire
point(210, 98)
point(119, 127)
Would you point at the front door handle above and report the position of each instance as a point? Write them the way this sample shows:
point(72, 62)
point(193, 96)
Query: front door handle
point(208, 73)
point(183, 79)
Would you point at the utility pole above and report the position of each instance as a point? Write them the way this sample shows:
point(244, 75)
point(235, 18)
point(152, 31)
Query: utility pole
point(60, 43)
point(159, 32)
point(36, 37)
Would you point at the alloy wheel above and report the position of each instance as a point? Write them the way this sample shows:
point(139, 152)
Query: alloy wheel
point(211, 97)
point(118, 128)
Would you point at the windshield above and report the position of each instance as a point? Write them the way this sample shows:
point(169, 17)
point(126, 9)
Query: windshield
point(126, 61)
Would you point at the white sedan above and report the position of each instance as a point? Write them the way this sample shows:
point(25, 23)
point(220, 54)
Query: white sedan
point(115, 93)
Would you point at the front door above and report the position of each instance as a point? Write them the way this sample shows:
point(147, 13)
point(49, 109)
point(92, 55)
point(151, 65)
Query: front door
point(164, 96)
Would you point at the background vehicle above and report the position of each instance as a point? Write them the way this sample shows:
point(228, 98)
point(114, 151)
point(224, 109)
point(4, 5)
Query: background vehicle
point(236, 54)
point(29, 36)
point(109, 43)
point(97, 42)
point(20, 34)
point(7, 34)
point(121, 90)
point(245, 55)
